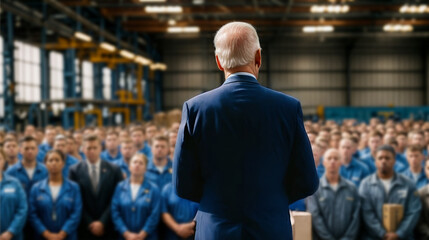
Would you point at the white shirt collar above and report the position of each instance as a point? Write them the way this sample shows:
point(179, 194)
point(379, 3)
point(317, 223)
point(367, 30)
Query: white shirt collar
point(242, 73)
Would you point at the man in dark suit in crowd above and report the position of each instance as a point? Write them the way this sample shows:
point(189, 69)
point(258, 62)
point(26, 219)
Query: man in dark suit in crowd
point(242, 151)
point(97, 180)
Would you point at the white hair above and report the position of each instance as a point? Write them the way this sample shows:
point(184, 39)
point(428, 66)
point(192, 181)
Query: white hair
point(236, 44)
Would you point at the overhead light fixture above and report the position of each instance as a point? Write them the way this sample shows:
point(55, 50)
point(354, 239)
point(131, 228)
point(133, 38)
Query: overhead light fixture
point(314, 29)
point(414, 8)
point(126, 54)
point(82, 36)
point(163, 9)
point(158, 66)
point(329, 9)
point(152, 1)
point(192, 29)
point(398, 28)
point(108, 47)
point(142, 60)
point(198, 2)
point(172, 22)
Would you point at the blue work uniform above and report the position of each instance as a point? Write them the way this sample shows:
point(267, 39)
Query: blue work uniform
point(106, 156)
point(82, 155)
point(356, 155)
point(354, 172)
point(124, 167)
point(141, 214)
point(18, 171)
point(402, 191)
point(298, 205)
point(363, 153)
point(70, 161)
point(402, 159)
point(335, 214)
point(13, 210)
point(63, 214)
point(421, 180)
point(160, 178)
point(370, 163)
point(182, 210)
point(320, 170)
point(146, 150)
point(45, 147)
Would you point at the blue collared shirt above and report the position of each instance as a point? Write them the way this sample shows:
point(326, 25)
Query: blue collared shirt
point(139, 214)
point(160, 178)
point(63, 214)
point(421, 180)
point(18, 171)
point(106, 156)
point(335, 214)
point(124, 166)
point(355, 171)
point(402, 191)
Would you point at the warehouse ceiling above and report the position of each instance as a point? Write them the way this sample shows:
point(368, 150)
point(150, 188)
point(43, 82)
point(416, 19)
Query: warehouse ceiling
point(269, 16)
point(131, 24)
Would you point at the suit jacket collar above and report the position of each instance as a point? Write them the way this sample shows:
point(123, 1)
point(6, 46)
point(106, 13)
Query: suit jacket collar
point(240, 78)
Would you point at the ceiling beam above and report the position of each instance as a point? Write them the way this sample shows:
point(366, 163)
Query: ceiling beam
point(210, 25)
point(138, 11)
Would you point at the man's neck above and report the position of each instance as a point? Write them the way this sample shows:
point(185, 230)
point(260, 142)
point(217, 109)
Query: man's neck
point(246, 68)
point(140, 146)
point(113, 152)
point(160, 162)
point(93, 162)
point(346, 161)
point(332, 178)
point(29, 163)
point(127, 160)
point(12, 160)
point(385, 176)
point(416, 169)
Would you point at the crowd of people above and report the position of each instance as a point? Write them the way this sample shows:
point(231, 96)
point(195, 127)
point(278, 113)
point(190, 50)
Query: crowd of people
point(362, 167)
point(97, 183)
point(116, 182)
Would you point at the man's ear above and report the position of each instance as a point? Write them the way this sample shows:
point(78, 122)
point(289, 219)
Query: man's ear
point(218, 64)
point(258, 58)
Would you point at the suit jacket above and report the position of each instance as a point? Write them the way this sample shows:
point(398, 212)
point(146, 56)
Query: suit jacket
point(96, 205)
point(242, 152)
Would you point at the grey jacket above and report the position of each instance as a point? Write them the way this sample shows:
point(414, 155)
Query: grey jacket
point(373, 195)
point(422, 229)
point(335, 214)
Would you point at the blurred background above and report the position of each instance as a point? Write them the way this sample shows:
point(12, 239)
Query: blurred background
point(76, 63)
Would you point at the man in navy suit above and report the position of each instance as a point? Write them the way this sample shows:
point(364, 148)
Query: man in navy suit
point(242, 151)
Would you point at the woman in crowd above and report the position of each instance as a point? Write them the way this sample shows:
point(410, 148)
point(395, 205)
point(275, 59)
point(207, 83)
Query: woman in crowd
point(13, 202)
point(136, 203)
point(55, 203)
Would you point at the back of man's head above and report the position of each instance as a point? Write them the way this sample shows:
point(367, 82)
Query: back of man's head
point(236, 44)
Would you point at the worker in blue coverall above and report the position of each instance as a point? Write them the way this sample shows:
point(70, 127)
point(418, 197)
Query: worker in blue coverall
point(335, 207)
point(13, 202)
point(387, 186)
point(55, 202)
point(159, 170)
point(136, 203)
point(351, 169)
point(112, 152)
point(416, 172)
